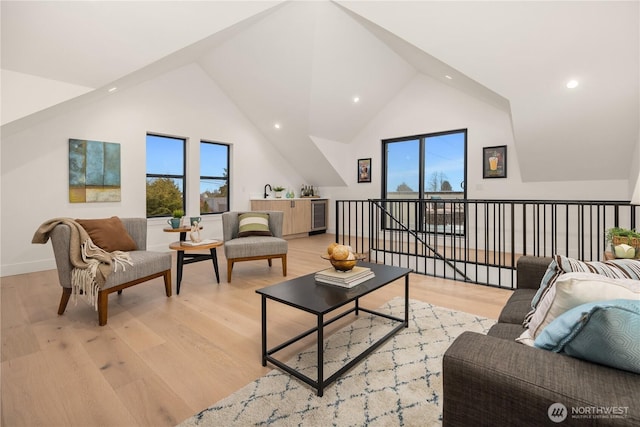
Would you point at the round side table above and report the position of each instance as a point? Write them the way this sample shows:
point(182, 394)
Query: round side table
point(188, 258)
point(183, 230)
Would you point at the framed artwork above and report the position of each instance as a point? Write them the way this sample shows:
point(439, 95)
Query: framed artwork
point(94, 171)
point(494, 162)
point(364, 170)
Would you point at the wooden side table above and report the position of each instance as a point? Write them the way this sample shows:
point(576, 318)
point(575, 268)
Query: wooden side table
point(183, 230)
point(188, 258)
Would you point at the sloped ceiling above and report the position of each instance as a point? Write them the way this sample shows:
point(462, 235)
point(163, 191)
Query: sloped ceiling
point(526, 52)
point(300, 67)
point(300, 64)
point(93, 43)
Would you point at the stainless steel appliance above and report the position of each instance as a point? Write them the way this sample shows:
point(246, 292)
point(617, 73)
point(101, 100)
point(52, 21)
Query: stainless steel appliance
point(319, 215)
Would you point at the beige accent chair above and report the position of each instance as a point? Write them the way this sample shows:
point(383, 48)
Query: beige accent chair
point(146, 265)
point(253, 248)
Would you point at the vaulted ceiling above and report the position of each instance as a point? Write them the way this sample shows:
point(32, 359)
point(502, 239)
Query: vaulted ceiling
point(300, 63)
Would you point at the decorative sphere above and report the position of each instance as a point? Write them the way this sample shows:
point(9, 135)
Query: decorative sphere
point(340, 253)
point(331, 247)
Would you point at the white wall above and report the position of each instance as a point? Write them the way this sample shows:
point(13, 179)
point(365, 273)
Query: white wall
point(426, 106)
point(184, 103)
point(634, 176)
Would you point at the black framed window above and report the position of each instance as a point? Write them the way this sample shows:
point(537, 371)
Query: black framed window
point(214, 177)
point(427, 167)
point(166, 180)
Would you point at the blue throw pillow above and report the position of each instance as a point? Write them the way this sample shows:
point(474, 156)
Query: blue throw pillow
point(604, 332)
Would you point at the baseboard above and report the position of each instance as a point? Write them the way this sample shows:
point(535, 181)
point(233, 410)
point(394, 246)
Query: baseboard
point(27, 267)
point(314, 232)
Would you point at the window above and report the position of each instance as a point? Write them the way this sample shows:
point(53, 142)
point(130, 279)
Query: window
point(214, 177)
point(427, 167)
point(445, 165)
point(165, 175)
point(402, 167)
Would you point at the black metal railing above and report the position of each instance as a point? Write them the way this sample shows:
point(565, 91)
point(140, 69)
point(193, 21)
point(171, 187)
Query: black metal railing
point(478, 241)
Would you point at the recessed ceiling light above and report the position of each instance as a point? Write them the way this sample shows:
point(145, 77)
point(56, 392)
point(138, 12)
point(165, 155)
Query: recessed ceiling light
point(113, 89)
point(277, 125)
point(356, 99)
point(449, 77)
point(572, 84)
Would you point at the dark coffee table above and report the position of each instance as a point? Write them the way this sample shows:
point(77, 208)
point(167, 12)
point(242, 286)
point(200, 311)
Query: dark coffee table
point(319, 299)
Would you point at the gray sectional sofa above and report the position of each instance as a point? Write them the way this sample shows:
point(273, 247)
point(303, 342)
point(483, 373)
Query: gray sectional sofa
point(492, 380)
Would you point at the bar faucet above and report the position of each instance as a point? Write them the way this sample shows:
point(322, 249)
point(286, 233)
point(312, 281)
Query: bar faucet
point(265, 190)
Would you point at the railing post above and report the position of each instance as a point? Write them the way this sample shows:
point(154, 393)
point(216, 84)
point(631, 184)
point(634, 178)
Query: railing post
point(337, 220)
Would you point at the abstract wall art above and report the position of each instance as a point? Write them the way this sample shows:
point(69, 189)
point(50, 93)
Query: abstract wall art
point(94, 171)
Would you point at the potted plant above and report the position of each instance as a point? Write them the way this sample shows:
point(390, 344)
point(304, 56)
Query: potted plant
point(278, 190)
point(625, 243)
point(177, 218)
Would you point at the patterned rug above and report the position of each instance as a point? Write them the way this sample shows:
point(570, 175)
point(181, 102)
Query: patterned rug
point(400, 384)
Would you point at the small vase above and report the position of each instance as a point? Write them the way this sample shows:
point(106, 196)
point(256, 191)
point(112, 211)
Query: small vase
point(278, 194)
point(174, 222)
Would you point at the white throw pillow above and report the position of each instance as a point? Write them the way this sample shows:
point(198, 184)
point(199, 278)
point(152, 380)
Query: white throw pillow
point(617, 268)
point(572, 290)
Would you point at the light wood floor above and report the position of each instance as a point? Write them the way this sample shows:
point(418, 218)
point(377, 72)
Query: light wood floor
point(159, 360)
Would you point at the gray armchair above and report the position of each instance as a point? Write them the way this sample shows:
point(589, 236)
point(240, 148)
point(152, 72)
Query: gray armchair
point(146, 265)
point(253, 248)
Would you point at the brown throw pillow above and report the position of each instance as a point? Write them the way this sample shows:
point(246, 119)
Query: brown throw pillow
point(108, 234)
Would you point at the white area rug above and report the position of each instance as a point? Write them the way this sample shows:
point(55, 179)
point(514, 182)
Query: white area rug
point(399, 384)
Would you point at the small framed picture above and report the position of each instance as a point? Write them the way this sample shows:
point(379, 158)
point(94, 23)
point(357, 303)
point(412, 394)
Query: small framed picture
point(494, 162)
point(364, 170)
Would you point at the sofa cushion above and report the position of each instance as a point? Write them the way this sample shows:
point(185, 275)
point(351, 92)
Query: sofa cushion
point(253, 224)
point(619, 268)
point(517, 306)
point(108, 234)
point(507, 331)
point(605, 332)
point(145, 263)
point(572, 290)
point(252, 246)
